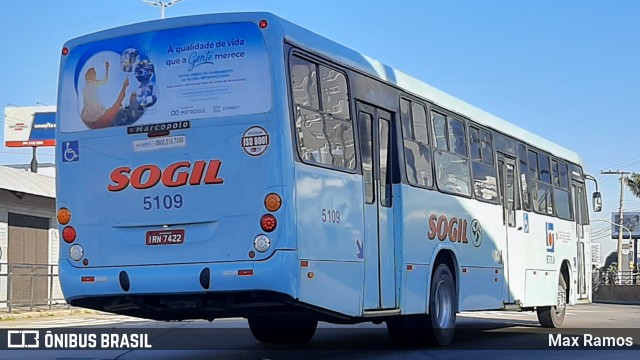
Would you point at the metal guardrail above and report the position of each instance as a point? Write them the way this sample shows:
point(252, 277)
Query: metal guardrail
point(31, 279)
point(616, 278)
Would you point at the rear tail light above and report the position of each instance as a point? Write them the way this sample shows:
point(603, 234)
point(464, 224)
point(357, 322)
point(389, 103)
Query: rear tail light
point(268, 223)
point(76, 252)
point(69, 234)
point(64, 216)
point(272, 202)
point(261, 243)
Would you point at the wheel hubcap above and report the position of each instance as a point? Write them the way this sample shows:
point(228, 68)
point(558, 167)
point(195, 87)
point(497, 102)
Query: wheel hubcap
point(444, 305)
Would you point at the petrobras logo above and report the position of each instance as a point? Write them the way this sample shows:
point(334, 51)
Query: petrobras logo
point(176, 174)
point(551, 238)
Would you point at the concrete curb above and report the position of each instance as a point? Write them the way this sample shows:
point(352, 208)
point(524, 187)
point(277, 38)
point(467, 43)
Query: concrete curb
point(44, 314)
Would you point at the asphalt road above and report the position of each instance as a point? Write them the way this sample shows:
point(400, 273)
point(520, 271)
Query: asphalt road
point(478, 335)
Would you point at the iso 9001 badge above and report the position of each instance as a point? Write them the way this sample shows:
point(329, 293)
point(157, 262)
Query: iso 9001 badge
point(255, 141)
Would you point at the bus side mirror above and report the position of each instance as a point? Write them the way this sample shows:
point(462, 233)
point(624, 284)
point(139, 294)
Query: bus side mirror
point(597, 201)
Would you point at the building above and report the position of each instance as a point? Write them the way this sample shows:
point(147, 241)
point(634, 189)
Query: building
point(28, 238)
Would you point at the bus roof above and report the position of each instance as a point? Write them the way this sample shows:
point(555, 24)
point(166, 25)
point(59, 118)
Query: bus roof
point(312, 41)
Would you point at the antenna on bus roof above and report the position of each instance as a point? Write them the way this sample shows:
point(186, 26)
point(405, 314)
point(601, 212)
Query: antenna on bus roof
point(162, 4)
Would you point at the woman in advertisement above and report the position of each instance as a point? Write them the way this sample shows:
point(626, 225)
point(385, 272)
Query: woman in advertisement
point(93, 112)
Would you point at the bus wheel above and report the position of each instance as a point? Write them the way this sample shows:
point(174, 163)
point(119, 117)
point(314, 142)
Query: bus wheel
point(553, 316)
point(442, 306)
point(274, 330)
point(435, 329)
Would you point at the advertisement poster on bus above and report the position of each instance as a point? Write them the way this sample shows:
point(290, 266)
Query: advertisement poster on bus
point(168, 75)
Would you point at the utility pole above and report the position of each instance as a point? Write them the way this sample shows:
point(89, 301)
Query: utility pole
point(620, 225)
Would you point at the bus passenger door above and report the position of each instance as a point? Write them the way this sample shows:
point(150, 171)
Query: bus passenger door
point(513, 253)
point(374, 126)
point(578, 198)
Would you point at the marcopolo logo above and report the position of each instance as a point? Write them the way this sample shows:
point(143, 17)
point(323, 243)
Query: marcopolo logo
point(153, 128)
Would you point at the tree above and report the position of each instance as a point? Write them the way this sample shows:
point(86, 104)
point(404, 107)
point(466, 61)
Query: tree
point(633, 181)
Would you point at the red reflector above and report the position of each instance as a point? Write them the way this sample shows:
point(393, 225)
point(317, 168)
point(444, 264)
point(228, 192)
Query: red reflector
point(69, 234)
point(263, 24)
point(409, 267)
point(245, 272)
point(65, 51)
point(87, 279)
point(268, 222)
point(304, 263)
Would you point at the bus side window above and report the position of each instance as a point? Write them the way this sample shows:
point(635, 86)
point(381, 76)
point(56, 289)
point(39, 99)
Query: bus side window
point(522, 157)
point(324, 129)
point(486, 147)
point(561, 190)
point(450, 156)
point(417, 152)
point(303, 83)
point(485, 185)
point(333, 86)
point(439, 130)
point(457, 139)
point(544, 187)
point(545, 173)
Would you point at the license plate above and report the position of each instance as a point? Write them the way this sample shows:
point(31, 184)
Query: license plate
point(165, 237)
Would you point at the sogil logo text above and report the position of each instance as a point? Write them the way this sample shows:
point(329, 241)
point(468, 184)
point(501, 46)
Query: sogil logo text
point(173, 175)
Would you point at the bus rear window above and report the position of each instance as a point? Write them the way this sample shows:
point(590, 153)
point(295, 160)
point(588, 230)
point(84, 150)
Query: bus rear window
point(164, 76)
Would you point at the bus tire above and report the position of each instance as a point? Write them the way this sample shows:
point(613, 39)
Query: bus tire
point(553, 316)
point(435, 329)
point(281, 331)
point(442, 306)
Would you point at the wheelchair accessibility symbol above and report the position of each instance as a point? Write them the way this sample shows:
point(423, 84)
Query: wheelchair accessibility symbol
point(70, 151)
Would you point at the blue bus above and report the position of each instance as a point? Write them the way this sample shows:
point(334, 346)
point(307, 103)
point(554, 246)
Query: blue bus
point(238, 165)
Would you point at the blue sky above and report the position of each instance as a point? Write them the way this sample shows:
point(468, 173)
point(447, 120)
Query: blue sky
point(566, 70)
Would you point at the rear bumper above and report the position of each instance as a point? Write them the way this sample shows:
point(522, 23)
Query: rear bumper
point(178, 288)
